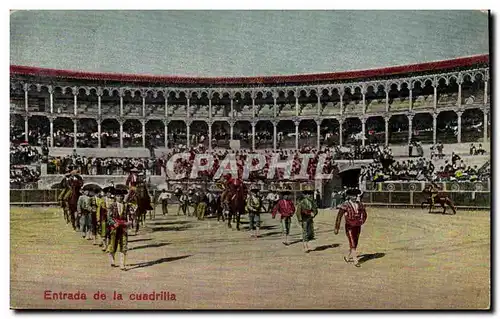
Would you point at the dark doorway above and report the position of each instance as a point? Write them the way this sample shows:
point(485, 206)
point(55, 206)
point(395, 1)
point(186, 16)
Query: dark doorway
point(350, 178)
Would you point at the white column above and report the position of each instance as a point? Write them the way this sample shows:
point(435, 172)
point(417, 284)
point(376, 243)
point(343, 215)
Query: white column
point(319, 104)
point(485, 92)
point(341, 94)
point(143, 106)
point(434, 128)
point(232, 109)
point(459, 123)
point(275, 108)
point(296, 106)
point(99, 107)
point(231, 130)
point(188, 137)
point(274, 135)
point(459, 101)
point(143, 122)
point(51, 123)
point(210, 135)
point(75, 130)
point(296, 135)
point(364, 102)
point(26, 88)
point(485, 126)
point(253, 107)
point(410, 127)
point(341, 121)
point(51, 100)
point(435, 96)
point(386, 130)
point(318, 134)
point(253, 135)
point(363, 130)
point(411, 99)
point(99, 133)
point(121, 133)
point(188, 108)
point(75, 106)
point(26, 130)
point(386, 100)
point(121, 105)
point(165, 123)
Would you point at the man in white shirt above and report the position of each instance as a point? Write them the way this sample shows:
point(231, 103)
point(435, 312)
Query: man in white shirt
point(163, 200)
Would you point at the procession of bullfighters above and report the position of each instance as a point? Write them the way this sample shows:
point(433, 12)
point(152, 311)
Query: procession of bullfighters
point(365, 189)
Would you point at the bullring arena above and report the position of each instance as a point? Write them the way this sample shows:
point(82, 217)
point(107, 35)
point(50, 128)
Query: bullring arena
point(413, 260)
point(400, 134)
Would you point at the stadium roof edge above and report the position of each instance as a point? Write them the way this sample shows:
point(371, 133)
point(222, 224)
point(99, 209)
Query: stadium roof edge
point(280, 79)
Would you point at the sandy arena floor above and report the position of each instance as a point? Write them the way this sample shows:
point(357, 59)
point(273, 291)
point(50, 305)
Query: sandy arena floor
point(412, 260)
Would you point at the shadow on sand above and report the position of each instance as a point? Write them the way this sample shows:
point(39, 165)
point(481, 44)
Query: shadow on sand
point(270, 234)
point(365, 257)
point(149, 246)
point(325, 247)
point(180, 228)
point(137, 240)
point(178, 222)
point(156, 262)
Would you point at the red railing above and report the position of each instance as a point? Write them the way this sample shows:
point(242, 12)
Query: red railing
point(303, 78)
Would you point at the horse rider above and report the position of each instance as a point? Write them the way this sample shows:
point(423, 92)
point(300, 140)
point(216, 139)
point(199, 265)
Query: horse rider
point(64, 195)
point(306, 211)
point(434, 190)
point(355, 216)
point(286, 209)
point(75, 182)
point(118, 223)
point(131, 182)
point(253, 207)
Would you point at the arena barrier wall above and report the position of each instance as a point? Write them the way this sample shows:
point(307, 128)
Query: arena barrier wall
point(461, 198)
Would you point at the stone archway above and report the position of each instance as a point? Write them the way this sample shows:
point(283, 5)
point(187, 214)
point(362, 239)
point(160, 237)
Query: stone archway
point(110, 133)
point(472, 125)
point(308, 133)
point(63, 132)
point(375, 130)
point(177, 133)
point(132, 133)
point(86, 135)
point(447, 127)
point(422, 128)
point(285, 131)
point(398, 129)
point(242, 131)
point(155, 133)
point(264, 134)
point(329, 131)
point(221, 134)
point(350, 130)
point(198, 133)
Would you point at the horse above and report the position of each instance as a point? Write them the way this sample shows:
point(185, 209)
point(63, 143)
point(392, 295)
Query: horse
point(75, 183)
point(139, 204)
point(233, 202)
point(440, 199)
